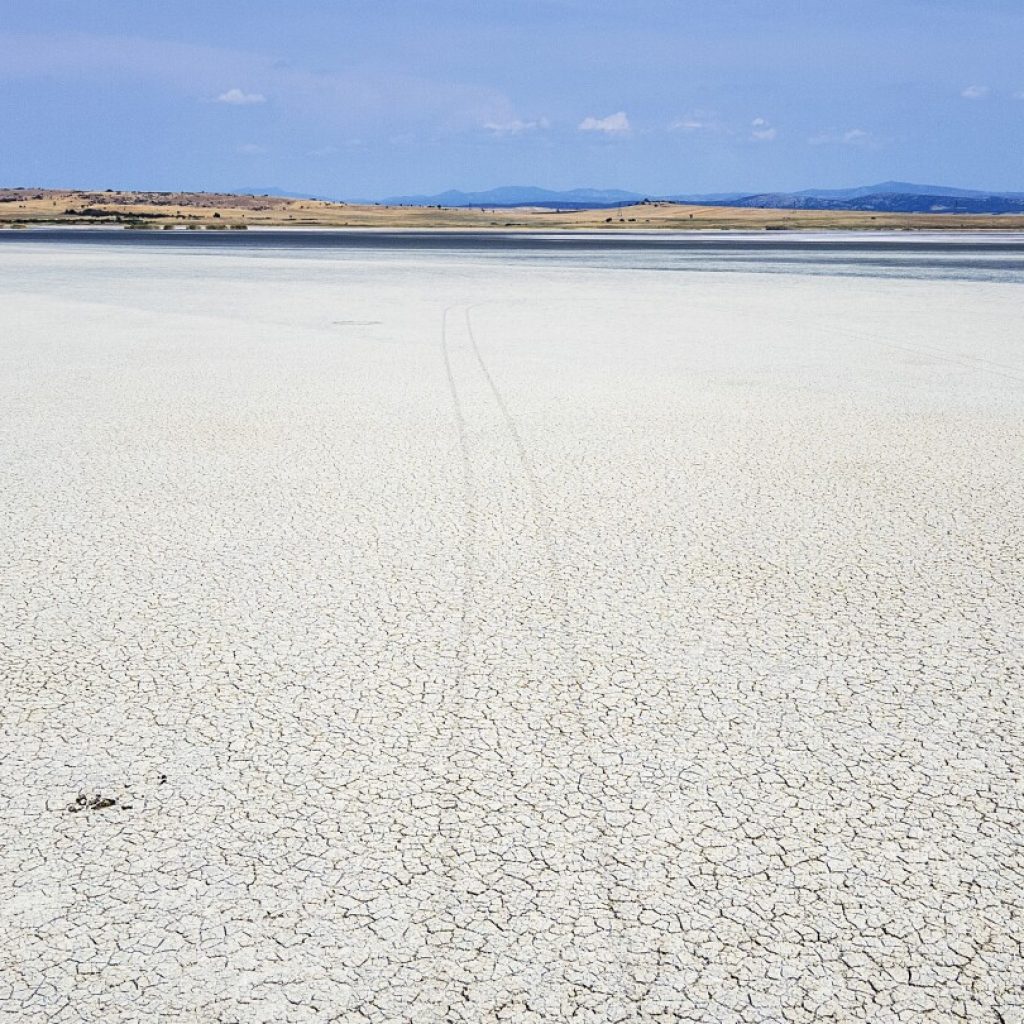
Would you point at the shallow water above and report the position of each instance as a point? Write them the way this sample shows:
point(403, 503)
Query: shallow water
point(997, 257)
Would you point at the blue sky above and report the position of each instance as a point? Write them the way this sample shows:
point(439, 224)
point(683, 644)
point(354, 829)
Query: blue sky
point(368, 98)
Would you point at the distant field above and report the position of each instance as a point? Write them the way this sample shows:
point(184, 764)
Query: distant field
point(204, 210)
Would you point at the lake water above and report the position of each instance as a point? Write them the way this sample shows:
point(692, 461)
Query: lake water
point(997, 257)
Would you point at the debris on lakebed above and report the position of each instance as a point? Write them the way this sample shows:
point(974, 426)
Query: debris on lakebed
point(97, 802)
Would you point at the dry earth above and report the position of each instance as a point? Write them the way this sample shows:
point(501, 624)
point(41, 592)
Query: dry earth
point(25, 207)
point(412, 639)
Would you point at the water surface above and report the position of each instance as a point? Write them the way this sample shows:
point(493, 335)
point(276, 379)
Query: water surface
point(996, 256)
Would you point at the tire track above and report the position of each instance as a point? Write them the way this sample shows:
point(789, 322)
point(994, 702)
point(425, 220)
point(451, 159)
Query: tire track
point(526, 462)
point(569, 650)
point(468, 544)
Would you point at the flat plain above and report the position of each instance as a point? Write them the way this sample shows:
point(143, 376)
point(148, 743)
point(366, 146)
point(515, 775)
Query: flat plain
point(403, 636)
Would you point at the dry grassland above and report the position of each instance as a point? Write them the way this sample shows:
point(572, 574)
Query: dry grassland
point(205, 210)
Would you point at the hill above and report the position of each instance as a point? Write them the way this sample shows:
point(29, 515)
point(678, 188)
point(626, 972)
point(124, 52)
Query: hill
point(886, 199)
point(21, 208)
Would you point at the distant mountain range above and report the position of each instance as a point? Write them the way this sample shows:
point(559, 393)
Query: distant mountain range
point(522, 195)
point(890, 197)
point(887, 196)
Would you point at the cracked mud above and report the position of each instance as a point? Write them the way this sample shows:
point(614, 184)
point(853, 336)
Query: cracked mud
point(547, 645)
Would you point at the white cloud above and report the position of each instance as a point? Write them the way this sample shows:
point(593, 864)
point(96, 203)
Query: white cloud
point(237, 98)
point(852, 137)
point(1019, 95)
point(251, 149)
point(515, 126)
point(372, 104)
point(975, 92)
point(761, 130)
point(698, 122)
point(613, 124)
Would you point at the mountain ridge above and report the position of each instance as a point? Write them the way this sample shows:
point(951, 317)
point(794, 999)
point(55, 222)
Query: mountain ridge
point(890, 196)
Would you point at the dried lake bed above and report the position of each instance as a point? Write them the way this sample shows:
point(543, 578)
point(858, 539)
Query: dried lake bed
point(450, 631)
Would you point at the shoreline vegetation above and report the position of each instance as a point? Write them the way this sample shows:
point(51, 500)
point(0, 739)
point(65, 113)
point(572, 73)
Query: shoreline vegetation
point(25, 207)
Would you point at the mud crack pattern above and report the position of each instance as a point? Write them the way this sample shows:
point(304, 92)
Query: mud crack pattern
point(549, 645)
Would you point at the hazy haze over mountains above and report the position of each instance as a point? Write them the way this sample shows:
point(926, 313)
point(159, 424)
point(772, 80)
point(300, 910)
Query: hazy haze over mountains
point(891, 196)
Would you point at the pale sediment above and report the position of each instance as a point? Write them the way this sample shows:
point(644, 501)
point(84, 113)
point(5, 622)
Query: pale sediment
point(393, 639)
